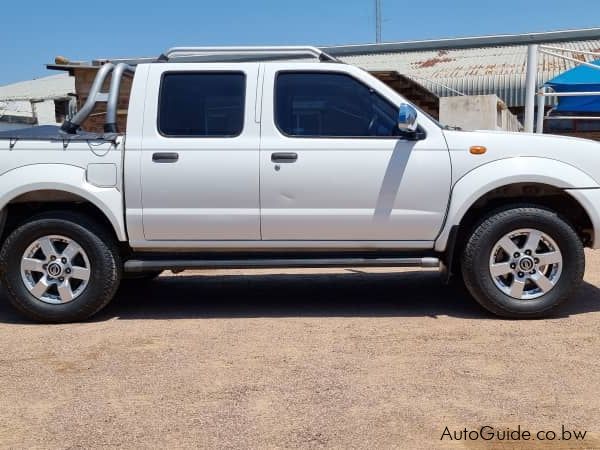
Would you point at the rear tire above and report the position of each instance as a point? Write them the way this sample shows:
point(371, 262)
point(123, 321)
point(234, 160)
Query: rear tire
point(523, 262)
point(60, 267)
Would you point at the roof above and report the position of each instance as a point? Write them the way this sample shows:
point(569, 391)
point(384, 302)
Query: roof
point(580, 76)
point(467, 42)
point(476, 65)
point(496, 70)
point(54, 86)
point(578, 79)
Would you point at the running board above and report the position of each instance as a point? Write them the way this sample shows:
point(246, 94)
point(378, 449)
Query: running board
point(148, 265)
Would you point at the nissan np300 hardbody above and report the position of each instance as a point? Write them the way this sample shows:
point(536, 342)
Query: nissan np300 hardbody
point(267, 162)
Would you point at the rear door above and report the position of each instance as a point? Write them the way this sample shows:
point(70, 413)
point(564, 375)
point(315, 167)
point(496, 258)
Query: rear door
point(199, 159)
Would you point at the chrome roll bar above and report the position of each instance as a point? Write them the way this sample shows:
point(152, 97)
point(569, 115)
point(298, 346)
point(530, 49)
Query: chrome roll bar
point(95, 96)
point(110, 124)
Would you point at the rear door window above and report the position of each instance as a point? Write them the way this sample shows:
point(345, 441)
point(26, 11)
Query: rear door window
point(202, 104)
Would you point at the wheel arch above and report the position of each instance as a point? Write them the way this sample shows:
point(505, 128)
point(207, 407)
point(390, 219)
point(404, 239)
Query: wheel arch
point(486, 180)
point(60, 187)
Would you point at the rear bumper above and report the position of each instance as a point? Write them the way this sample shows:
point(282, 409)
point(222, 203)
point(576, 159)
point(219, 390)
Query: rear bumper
point(589, 199)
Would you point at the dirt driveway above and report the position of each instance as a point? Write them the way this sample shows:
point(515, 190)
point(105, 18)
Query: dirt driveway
point(340, 358)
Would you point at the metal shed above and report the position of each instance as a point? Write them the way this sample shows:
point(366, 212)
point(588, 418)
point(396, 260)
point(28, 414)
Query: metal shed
point(472, 66)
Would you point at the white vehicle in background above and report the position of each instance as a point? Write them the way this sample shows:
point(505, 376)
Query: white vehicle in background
point(239, 157)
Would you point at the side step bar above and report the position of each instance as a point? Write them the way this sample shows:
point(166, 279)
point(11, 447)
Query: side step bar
point(140, 265)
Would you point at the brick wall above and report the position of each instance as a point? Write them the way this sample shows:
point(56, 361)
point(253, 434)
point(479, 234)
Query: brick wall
point(84, 78)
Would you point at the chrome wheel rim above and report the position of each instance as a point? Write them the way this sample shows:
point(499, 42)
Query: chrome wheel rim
point(526, 264)
point(55, 269)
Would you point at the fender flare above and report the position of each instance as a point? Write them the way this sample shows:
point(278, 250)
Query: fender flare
point(65, 178)
point(504, 172)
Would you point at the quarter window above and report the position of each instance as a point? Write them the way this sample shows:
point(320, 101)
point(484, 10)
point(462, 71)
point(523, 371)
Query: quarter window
point(202, 104)
point(321, 104)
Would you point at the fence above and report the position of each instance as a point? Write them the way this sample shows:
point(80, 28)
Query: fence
point(532, 91)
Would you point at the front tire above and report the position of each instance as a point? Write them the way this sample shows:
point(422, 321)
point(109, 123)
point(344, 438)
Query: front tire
point(523, 262)
point(60, 267)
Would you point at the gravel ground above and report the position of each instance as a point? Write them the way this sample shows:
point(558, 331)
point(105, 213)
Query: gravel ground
point(336, 358)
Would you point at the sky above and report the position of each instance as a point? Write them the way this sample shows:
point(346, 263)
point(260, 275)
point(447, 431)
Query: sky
point(33, 32)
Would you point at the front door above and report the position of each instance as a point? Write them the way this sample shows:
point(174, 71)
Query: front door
point(334, 166)
point(199, 162)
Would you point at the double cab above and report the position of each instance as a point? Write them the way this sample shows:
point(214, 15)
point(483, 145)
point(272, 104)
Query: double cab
point(272, 161)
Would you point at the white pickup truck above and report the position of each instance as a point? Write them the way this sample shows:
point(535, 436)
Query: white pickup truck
point(270, 161)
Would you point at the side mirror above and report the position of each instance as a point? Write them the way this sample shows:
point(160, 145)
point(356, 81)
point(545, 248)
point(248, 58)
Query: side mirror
point(407, 118)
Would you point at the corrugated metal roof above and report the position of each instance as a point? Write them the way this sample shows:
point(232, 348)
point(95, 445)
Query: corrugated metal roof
point(473, 71)
point(496, 40)
point(54, 86)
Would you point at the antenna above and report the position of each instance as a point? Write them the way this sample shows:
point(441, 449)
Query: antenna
point(377, 21)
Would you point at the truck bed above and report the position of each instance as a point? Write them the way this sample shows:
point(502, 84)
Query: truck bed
point(54, 133)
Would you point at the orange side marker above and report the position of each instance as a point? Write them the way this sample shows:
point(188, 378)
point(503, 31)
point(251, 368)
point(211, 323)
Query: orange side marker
point(477, 150)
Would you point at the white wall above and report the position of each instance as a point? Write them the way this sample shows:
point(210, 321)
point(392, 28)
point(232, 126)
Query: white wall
point(34, 99)
point(477, 112)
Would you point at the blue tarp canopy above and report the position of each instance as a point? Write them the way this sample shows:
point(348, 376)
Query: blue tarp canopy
point(579, 79)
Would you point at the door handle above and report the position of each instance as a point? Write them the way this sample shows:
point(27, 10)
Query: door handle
point(284, 157)
point(165, 157)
